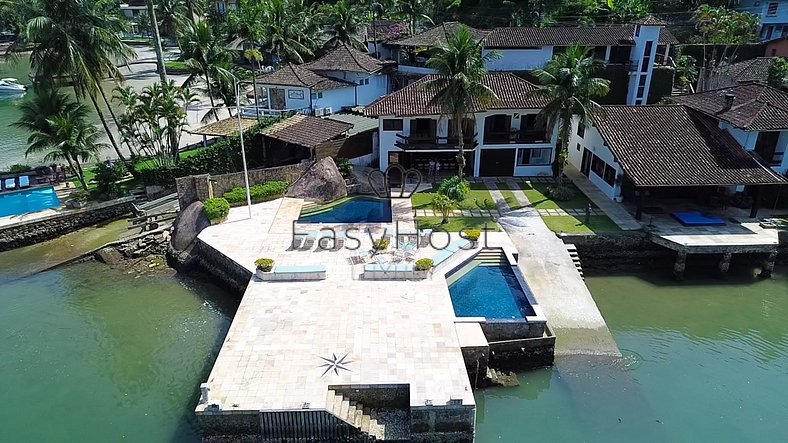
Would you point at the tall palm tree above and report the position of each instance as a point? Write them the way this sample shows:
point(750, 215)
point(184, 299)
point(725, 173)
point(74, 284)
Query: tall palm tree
point(570, 88)
point(458, 89)
point(414, 12)
point(290, 30)
point(343, 25)
point(71, 40)
point(70, 137)
point(172, 16)
point(41, 106)
point(207, 58)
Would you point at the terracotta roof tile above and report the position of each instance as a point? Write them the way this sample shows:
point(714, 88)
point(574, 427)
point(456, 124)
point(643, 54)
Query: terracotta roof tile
point(385, 30)
point(298, 75)
point(755, 107)
point(513, 93)
point(344, 58)
point(436, 36)
point(610, 35)
point(675, 146)
point(304, 130)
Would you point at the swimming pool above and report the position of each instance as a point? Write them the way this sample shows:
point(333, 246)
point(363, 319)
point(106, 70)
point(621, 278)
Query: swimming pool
point(28, 200)
point(351, 210)
point(488, 287)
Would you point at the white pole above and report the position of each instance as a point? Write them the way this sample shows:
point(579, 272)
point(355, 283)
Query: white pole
point(243, 151)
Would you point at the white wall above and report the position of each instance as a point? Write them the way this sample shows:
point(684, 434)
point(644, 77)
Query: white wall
point(782, 147)
point(335, 99)
point(519, 59)
point(746, 139)
point(519, 171)
point(593, 141)
point(378, 87)
point(647, 33)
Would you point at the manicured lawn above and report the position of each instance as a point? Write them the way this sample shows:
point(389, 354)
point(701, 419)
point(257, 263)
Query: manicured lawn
point(457, 224)
point(478, 198)
point(537, 195)
point(508, 196)
point(572, 225)
point(150, 164)
point(175, 65)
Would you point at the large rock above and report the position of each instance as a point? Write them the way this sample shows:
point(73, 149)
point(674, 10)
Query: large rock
point(190, 222)
point(322, 183)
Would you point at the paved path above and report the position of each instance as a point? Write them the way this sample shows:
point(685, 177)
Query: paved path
point(615, 211)
point(562, 294)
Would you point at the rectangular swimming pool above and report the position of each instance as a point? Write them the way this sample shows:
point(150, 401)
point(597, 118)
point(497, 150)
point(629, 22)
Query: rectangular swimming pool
point(489, 290)
point(351, 210)
point(27, 200)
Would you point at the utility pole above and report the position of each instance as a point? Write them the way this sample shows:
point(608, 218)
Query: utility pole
point(157, 42)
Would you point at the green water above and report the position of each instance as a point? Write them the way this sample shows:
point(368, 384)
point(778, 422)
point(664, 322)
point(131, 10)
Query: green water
point(92, 354)
point(704, 361)
point(14, 140)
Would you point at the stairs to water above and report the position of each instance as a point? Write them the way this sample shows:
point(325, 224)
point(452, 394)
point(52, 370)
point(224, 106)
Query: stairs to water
point(572, 250)
point(375, 425)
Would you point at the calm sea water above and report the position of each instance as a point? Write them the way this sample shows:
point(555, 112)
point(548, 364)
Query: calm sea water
point(704, 361)
point(13, 141)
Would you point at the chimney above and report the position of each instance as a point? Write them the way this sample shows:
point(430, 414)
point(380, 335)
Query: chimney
point(728, 101)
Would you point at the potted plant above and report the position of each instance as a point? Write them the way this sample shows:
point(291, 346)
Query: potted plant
point(423, 267)
point(473, 236)
point(380, 244)
point(216, 209)
point(264, 266)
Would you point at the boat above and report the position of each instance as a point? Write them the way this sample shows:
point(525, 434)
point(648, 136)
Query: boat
point(10, 86)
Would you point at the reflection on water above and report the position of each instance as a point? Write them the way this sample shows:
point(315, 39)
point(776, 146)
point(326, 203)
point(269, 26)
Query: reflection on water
point(704, 360)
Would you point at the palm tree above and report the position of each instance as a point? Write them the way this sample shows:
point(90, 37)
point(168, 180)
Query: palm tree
point(72, 40)
point(207, 58)
point(289, 30)
point(413, 12)
point(570, 87)
point(458, 89)
point(41, 106)
point(70, 137)
point(172, 16)
point(343, 26)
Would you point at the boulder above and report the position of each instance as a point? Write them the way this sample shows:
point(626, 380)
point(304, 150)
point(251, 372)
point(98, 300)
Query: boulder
point(109, 256)
point(322, 182)
point(190, 222)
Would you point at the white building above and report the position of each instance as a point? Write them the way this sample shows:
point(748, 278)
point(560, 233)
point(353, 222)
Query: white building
point(343, 78)
point(503, 139)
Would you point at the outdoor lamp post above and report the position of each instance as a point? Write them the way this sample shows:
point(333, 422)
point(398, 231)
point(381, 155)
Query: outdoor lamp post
point(243, 151)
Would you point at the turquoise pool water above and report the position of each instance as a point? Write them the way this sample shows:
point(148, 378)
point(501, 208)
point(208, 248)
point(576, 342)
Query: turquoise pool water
point(30, 200)
point(490, 291)
point(354, 210)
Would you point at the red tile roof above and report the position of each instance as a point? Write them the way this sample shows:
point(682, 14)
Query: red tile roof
point(415, 99)
point(344, 58)
point(755, 107)
point(436, 36)
point(607, 35)
point(676, 146)
point(304, 130)
point(298, 75)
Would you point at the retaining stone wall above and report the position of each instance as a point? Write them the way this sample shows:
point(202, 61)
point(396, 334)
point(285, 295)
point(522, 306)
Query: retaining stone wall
point(522, 354)
point(228, 272)
point(46, 228)
point(448, 424)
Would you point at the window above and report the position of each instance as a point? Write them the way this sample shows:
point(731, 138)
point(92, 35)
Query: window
point(581, 129)
point(637, 30)
point(772, 9)
point(317, 95)
point(610, 175)
point(646, 57)
point(392, 124)
point(533, 157)
point(363, 81)
point(578, 147)
point(598, 166)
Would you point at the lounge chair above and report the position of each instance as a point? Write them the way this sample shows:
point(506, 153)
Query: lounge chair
point(382, 259)
point(359, 257)
point(9, 184)
point(24, 181)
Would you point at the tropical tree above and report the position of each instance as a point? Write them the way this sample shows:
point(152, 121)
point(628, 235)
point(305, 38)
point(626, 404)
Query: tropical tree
point(172, 16)
point(413, 11)
point(778, 73)
point(70, 137)
point(570, 88)
point(207, 58)
point(458, 89)
point(72, 40)
point(725, 28)
point(290, 30)
point(342, 25)
point(41, 106)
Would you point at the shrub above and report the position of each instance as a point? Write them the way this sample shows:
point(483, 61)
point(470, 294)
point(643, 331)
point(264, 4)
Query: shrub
point(16, 169)
point(472, 234)
point(264, 264)
point(560, 193)
point(444, 205)
point(216, 209)
point(106, 176)
point(424, 264)
point(380, 244)
point(455, 188)
point(258, 193)
point(345, 167)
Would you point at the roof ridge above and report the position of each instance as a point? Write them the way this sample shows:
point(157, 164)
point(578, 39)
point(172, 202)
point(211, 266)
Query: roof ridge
point(292, 68)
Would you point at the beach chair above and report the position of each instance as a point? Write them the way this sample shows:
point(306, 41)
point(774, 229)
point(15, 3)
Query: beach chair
point(9, 184)
point(406, 251)
point(359, 257)
point(382, 259)
point(24, 181)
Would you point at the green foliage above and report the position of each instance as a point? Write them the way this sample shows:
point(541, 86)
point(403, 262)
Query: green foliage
point(424, 264)
point(345, 167)
point(686, 71)
point(264, 264)
point(16, 169)
point(258, 193)
point(778, 73)
point(221, 157)
point(106, 176)
point(472, 234)
point(380, 244)
point(720, 25)
point(661, 83)
point(216, 209)
point(444, 205)
point(560, 193)
point(455, 188)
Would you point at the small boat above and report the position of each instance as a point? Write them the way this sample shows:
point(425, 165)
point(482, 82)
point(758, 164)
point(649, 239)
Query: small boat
point(10, 86)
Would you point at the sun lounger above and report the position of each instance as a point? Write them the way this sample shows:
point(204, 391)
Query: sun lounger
point(9, 184)
point(441, 257)
point(456, 245)
point(24, 181)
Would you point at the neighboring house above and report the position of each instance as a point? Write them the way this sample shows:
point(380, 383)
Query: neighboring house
point(777, 47)
point(343, 78)
point(222, 6)
point(637, 47)
point(503, 139)
point(756, 115)
point(131, 9)
point(773, 16)
point(379, 33)
point(755, 70)
point(664, 151)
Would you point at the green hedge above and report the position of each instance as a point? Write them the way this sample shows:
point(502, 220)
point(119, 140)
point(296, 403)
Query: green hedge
point(216, 209)
point(661, 83)
point(258, 193)
point(222, 157)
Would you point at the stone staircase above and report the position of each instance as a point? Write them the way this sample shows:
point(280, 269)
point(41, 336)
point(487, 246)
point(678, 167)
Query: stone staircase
point(491, 257)
point(376, 426)
point(572, 250)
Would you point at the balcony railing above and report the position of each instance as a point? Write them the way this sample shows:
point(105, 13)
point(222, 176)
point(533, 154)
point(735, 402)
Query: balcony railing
point(509, 137)
point(422, 141)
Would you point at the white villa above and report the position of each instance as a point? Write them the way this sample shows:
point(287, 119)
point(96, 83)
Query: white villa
point(504, 139)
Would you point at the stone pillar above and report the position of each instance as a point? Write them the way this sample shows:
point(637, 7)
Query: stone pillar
point(680, 265)
point(756, 202)
point(768, 265)
point(725, 263)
